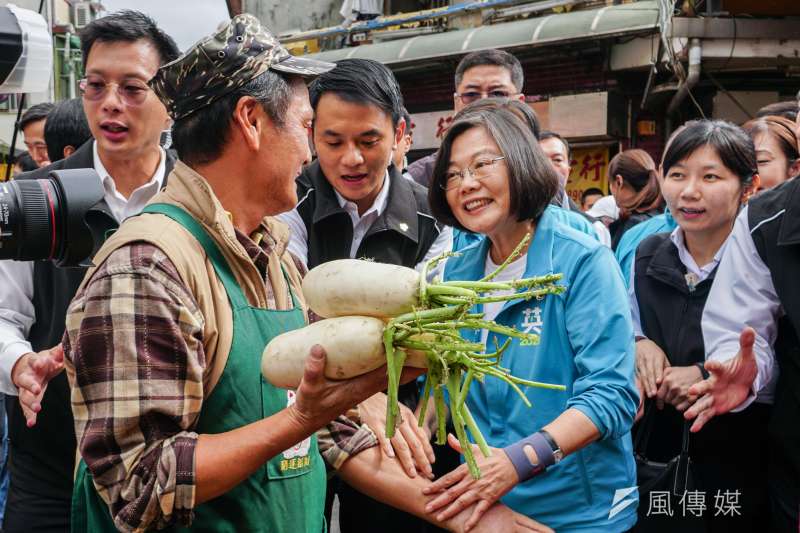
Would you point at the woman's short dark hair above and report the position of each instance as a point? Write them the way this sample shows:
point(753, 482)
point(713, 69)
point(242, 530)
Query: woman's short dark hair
point(522, 110)
point(200, 137)
point(531, 179)
point(733, 146)
point(360, 81)
point(128, 25)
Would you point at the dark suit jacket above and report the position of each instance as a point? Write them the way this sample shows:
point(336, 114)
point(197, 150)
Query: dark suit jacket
point(42, 458)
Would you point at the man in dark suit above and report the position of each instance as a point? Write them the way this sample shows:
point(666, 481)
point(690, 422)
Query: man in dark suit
point(121, 53)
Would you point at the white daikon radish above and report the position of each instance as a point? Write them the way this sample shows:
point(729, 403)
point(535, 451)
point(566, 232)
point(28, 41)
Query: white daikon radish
point(422, 328)
point(355, 287)
point(354, 346)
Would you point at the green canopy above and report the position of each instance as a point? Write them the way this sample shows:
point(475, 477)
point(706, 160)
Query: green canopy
point(606, 22)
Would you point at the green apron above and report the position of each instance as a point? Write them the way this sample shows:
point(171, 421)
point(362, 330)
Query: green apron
point(285, 495)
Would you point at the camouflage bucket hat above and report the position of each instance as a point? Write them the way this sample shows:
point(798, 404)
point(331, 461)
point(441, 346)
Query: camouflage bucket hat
point(223, 62)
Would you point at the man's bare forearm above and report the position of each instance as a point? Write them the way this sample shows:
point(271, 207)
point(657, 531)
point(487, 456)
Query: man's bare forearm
point(224, 460)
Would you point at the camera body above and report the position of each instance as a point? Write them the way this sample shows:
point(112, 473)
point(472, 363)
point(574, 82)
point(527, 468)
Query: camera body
point(61, 218)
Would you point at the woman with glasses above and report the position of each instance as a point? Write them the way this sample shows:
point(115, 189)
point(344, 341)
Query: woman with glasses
point(567, 461)
point(776, 149)
point(529, 119)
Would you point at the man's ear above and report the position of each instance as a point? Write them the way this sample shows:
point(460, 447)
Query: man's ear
point(399, 131)
point(249, 120)
point(68, 151)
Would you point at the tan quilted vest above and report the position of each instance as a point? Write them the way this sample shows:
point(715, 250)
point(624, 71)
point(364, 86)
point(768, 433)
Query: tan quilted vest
point(189, 190)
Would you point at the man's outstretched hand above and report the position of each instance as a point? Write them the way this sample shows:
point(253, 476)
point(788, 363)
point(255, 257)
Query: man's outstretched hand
point(31, 374)
point(727, 386)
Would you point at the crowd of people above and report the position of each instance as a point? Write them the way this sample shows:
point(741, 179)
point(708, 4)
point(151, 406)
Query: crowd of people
point(133, 388)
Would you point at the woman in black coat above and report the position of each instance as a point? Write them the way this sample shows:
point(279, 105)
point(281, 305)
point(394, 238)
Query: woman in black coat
point(709, 172)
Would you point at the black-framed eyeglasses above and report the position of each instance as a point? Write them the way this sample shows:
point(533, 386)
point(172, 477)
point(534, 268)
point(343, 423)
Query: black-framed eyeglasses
point(473, 96)
point(132, 92)
point(479, 170)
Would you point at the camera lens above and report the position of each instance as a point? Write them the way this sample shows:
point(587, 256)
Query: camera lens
point(28, 226)
point(61, 218)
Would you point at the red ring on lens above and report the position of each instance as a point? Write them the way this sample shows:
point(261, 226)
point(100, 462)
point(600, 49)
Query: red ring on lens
point(52, 218)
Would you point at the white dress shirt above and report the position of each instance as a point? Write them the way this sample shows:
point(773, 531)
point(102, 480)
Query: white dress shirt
point(694, 273)
point(743, 295)
point(120, 206)
point(17, 314)
point(298, 241)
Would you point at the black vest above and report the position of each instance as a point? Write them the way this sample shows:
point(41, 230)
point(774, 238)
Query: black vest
point(774, 221)
point(671, 313)
point(402, 234)
point(42, 458)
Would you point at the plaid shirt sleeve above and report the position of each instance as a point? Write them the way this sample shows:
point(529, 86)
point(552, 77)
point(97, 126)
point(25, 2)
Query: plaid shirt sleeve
point(134, 345)
point(343, 438)
point(134, 342)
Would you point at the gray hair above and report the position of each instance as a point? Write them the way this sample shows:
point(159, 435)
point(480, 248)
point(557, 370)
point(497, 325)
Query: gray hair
point(199, 138)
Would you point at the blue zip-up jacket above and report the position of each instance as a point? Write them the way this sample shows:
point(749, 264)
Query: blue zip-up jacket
point(462, 239)
point(586, 343)
point(626, 249)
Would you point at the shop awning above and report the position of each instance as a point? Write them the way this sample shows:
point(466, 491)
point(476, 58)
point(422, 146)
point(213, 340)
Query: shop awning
point(606, 22)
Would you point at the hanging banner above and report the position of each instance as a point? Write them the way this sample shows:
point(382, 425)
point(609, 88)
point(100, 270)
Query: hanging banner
point(589, 170)
point(428, 129)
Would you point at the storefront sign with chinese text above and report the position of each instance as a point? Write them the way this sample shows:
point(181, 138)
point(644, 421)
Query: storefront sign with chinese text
point(589, 167)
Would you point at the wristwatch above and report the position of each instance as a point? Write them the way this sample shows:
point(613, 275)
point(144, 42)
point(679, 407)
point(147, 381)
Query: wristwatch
point(558, 455)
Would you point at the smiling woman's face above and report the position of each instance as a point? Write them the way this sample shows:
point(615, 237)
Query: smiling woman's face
point(702, 193)
point(482, 206)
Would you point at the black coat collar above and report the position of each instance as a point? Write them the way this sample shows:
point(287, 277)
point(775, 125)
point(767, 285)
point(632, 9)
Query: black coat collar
point(666, 266)
point(84, 158)
point(789, 233)
point(400, 214)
